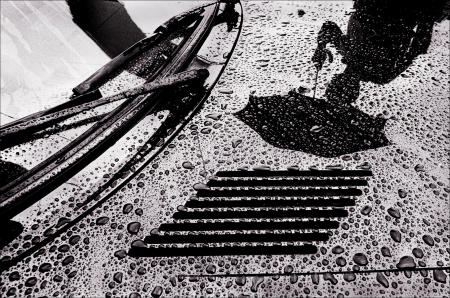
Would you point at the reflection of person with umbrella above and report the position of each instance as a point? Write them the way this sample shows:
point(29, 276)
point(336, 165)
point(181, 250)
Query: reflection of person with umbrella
point(301, 123)
point(383, 38)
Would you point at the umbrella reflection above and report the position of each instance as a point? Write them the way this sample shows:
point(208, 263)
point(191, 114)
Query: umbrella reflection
point(300, 123)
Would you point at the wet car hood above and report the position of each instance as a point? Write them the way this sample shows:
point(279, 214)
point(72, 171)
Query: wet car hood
point(398, 224)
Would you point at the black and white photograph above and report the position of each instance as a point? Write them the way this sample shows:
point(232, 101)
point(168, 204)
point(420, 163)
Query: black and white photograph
point(225, 148)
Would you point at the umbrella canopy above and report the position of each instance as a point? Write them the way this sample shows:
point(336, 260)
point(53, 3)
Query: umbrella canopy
point(298, 122)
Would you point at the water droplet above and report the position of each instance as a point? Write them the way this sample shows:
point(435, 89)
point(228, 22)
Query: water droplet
point(337, 249)
point(439, 276)
point(366, 210)
point(241, 280)
point(157, 291)
point(133, 228)
point(395, 235)
point(394, 212)
point(382, 280)
point(418, 253)
point(188, 165)
point(256, 281)
point(406, 262)
point(118, 277)
point(360, 259)
point(211, 269)
point(102, 220)
point(31, 282)
point(428, 240)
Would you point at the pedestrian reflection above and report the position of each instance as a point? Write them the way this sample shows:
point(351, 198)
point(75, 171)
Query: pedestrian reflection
point(382, 40)
point(229, 15)
point(106, 22)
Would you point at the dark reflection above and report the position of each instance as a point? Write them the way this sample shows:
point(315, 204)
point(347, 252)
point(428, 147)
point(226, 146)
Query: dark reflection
point(107, 23)
point(298, 122)
point(229, 15)
point(10, 171)
point(383, 38)
point(9, 231)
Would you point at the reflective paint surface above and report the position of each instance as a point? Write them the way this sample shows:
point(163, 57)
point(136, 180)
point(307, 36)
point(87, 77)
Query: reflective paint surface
point(389, 226)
